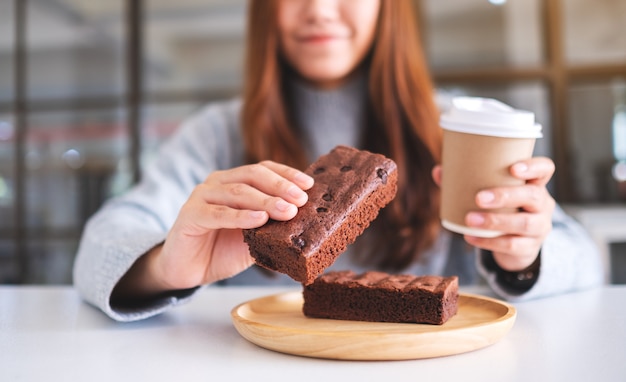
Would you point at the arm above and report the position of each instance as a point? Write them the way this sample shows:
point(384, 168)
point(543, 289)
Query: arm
point(205, 243)
point(129, 226)
point(151, 248)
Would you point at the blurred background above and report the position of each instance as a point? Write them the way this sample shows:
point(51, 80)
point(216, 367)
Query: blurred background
point(89, 89)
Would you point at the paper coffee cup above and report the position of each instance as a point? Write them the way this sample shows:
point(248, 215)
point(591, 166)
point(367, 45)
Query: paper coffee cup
point(482, 139)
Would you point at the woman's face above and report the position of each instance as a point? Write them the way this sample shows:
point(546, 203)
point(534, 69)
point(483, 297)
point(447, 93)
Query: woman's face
point(325, 40)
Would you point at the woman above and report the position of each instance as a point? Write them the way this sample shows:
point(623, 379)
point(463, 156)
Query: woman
point(318, 74)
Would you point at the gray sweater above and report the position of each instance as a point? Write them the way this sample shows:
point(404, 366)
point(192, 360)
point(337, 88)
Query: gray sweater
point(128, 226)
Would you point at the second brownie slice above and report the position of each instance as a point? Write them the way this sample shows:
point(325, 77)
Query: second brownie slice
point(381, 297)
point(351, 186)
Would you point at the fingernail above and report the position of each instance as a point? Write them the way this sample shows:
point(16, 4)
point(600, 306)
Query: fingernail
point(475, 219)
point(303, 178)
point(486, 197)
point(282, 205)
point(520, 167)
point(295, 192)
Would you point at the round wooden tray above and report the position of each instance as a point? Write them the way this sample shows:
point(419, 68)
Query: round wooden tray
point(276, 322)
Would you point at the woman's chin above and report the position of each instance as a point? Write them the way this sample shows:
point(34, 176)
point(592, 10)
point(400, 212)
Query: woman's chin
point(326, 78)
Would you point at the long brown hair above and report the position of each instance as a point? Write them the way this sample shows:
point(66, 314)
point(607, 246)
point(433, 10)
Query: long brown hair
point(404, 124)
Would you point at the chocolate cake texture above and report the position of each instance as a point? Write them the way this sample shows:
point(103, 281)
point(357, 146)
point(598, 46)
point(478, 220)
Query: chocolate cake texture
point(351, 186)
point(382, 297)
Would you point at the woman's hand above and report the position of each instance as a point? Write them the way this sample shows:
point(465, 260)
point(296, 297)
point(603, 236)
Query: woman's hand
point(524, 230)
point(205, 243)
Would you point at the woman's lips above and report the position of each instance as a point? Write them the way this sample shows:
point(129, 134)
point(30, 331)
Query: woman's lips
point(320, 38)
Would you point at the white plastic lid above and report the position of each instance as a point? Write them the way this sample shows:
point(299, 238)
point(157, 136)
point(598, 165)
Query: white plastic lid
point(486, 116)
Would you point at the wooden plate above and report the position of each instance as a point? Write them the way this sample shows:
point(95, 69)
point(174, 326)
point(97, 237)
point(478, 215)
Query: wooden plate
point(277, 323)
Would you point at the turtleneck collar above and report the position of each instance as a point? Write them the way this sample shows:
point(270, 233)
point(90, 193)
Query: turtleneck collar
point(330, 117)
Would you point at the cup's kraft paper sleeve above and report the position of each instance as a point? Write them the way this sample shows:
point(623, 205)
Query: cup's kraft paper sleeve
point(472, 163)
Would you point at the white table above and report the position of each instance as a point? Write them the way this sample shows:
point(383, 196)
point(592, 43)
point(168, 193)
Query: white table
point(49, 334)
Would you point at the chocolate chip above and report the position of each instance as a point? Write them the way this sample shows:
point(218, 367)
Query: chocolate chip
point(345, 168)
point(382, 174)
point(319, 170)
point(298, 242)
point(327, 197)
point(322, 209)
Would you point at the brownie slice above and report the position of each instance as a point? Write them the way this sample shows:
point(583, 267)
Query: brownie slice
point(381, 297)
point(351, 186)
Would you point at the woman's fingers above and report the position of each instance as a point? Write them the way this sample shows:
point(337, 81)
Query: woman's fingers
point(301, 179)
point(529, 197)
point(511, 252)
point(246, 196)
point(537, 170)
point(527, 224)
point(198, 217)
point(270, 178)
point(520, 223)
point(436, 174)
point(240, 196)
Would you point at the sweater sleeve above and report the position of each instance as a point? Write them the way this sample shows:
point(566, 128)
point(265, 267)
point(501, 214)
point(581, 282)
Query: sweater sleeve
point(130, 225)
point(570, 261)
